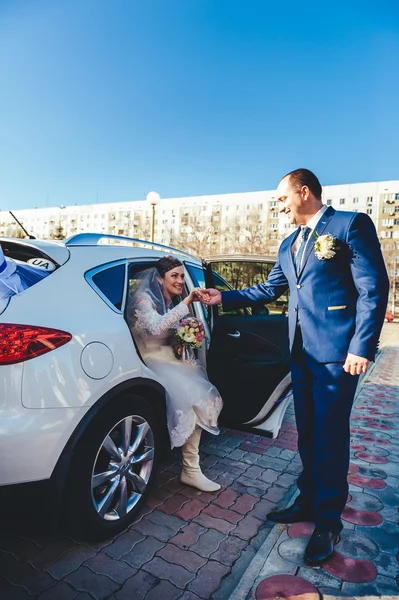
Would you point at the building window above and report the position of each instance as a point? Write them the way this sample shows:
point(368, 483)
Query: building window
point(355, 200)
point(342, 200)
point(369, 211)
point(329, 202)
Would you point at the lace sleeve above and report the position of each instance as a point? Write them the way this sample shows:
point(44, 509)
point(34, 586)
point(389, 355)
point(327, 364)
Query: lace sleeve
point(148, 319)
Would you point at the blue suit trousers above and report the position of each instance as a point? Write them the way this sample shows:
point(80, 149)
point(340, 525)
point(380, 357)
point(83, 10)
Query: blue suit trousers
point(323, 398)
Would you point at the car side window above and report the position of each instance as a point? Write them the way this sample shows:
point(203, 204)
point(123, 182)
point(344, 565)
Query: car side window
point(198, 275)
point(223, 286)
point(241, 274)
point(110, 281)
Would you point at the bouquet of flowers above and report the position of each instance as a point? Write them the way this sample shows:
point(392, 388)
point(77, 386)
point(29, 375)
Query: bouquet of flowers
point(190, 335)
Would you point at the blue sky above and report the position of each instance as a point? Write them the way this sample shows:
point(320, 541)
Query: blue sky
point(105, 100)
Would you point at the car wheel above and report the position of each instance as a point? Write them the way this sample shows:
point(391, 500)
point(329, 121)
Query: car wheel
point(113, 469)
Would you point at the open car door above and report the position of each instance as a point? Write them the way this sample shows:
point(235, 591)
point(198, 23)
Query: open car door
point(248, 361)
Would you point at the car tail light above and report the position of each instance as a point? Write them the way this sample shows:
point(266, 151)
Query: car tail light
point(23, 342)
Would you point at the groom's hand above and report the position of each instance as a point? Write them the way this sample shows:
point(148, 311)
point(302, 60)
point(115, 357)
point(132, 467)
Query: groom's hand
point(356, 365)
point(213, 296)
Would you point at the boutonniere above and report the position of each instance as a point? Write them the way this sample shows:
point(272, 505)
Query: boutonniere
point(325, 246)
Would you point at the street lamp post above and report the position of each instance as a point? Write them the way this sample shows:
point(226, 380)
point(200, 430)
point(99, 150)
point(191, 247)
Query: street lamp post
point(153, 198)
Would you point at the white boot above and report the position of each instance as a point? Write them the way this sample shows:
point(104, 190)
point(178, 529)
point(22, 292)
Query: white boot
point(191, 473)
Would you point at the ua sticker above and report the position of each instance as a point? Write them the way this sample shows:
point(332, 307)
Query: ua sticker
point(42, 263)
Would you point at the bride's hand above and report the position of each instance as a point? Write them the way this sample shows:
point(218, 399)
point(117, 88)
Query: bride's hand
point(196, 295)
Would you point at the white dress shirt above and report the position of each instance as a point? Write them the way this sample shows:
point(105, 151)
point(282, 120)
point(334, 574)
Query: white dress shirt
point(312, 226)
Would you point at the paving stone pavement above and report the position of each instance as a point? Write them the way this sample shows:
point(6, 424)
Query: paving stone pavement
point(365, 563)
point(191, 545)
point(185, 544)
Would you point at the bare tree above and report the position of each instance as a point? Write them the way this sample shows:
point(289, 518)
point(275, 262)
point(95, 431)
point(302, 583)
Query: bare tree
point(247, 235)
point(198, 234)
point(58, 232)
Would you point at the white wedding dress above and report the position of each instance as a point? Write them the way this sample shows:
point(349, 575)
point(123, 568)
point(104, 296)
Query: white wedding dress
point(191, 398)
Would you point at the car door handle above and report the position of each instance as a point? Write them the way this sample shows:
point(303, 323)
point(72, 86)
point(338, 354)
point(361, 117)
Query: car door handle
point(234, 335)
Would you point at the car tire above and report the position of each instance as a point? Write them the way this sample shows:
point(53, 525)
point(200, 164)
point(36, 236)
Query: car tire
point(113, 468)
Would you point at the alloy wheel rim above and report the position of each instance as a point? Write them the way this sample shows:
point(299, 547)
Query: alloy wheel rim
point(122, 468)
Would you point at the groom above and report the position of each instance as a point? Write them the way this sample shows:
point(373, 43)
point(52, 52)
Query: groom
point(333, 267)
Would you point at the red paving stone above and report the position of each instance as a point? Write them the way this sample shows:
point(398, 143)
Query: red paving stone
point(226, 498)
point(353, 468)
point(286, 587)
point(222, 513)
point(355, 446)
point(191, 509)
point(366, 518)
point(173, 504)
point(245, 504)
point(250, 447)
point(284, 444)
point(153, 502)
point(303, 529)
point(377, 460)
point(353, 570)
point(376, 440)
point(380, 426)
point(365, 482)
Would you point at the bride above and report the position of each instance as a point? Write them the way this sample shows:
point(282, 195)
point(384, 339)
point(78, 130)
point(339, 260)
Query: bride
point(193, 403)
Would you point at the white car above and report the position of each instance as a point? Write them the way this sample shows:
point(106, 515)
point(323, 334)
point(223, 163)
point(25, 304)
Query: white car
point(80, 410)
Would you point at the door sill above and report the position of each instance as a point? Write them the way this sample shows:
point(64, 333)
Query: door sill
point(273, 423)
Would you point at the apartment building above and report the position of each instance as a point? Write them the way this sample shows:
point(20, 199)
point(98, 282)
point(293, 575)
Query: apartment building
point(246, 222)
point(227, 219)
point(223, 223)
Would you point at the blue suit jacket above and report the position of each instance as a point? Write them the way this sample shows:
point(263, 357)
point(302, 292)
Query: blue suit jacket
point(341, 302)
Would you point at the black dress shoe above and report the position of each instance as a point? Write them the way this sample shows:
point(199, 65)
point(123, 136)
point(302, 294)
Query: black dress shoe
point(292, 514)
point(320, 546)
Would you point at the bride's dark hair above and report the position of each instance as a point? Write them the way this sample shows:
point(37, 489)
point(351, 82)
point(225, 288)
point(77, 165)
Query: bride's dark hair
point(167, 263)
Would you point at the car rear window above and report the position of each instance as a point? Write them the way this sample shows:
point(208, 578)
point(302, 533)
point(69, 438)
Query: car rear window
point(16, 276)
point(110, 282)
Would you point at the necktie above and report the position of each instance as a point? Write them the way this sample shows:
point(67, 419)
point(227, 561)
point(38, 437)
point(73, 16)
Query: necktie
point(299, 254)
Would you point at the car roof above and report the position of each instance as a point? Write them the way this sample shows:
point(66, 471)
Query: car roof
point(99, 248)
